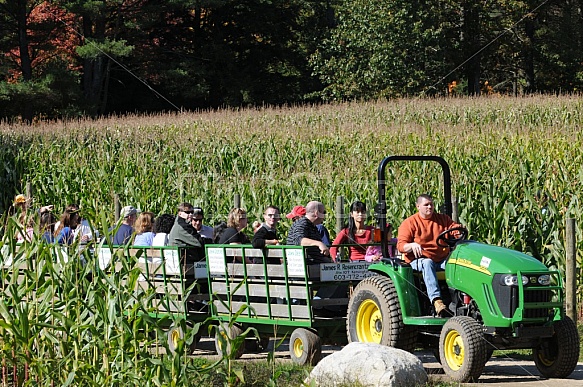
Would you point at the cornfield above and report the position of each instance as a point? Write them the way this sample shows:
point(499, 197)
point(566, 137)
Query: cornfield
point(516, 173)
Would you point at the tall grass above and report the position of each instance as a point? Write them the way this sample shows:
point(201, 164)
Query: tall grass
point(64, 321)
point(516, 162)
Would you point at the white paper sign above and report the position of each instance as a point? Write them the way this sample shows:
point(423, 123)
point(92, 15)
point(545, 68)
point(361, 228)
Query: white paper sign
point(104, 256)
point(172, 262)
point(216, 260)
point(345, 271)
point(296, 265)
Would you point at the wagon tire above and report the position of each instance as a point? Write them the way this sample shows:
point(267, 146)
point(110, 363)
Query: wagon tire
point(305, 347)
point(557, 356)
point(374, 315)
point(462, 349)
point(226, 343)
point(176, 334)
point(257, 344)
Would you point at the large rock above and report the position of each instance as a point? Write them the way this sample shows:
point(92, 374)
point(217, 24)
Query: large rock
point(369, 364)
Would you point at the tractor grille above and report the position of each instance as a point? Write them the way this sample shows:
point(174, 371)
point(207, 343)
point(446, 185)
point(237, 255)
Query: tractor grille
point(534, 296)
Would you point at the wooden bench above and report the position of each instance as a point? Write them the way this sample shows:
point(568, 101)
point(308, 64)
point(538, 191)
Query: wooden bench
point(277, 293)
point(173, 285)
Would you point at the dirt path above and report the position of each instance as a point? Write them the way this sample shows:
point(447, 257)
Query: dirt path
point(500, 371)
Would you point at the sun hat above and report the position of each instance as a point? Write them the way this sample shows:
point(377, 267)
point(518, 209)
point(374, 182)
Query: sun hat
point(19, 199)
point(297, 211)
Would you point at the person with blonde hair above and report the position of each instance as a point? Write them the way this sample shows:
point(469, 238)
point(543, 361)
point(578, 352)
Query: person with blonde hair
point(236, 223)
point(144, 227)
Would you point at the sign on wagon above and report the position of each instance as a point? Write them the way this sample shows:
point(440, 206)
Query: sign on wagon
point(344, 271)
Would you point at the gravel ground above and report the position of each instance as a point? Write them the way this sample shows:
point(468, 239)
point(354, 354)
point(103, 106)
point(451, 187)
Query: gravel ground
point(500, 370)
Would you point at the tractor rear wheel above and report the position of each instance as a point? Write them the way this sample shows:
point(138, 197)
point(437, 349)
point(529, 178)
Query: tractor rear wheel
point(557, 356)
point(462, 349)
point(374, 315)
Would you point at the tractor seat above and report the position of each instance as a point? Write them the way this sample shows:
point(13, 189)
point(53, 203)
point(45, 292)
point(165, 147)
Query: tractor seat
point(440, 275)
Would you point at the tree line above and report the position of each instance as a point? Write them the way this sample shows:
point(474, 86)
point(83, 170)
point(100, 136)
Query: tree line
point(66, 58)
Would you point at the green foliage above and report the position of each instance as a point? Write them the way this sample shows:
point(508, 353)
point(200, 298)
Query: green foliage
point(75, 324)
point(382, 49)
point(115, 48)
point(516, 163)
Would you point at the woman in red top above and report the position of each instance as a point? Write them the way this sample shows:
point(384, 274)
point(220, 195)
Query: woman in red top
point(357, 233)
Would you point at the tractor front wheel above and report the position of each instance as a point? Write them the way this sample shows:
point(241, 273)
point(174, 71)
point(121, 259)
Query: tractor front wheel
point(557, 356)
point(462, 349)
point(374, 315)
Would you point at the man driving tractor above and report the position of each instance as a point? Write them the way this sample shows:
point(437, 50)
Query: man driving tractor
point(417, 241)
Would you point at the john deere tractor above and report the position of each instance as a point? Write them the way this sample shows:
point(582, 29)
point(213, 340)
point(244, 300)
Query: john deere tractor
point(498, 299)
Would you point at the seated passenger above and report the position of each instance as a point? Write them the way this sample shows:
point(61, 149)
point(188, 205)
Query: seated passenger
point(303, 232)
point(183, 234)
point(47, 227)
point(357, 233)
point(416, 240)
point(162, 226)
point(144, 229)
point(233, 234)
point(266, 234)
point(126, 229)
point(197, 221)
point(64, 234)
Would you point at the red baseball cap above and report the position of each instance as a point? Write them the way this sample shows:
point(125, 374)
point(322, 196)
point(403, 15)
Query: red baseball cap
point(297, 211)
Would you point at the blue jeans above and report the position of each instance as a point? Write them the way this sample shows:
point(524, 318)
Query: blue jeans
point(429, 269)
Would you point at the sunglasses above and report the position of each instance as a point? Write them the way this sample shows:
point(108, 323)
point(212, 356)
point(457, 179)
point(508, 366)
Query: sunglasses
point(189, 212)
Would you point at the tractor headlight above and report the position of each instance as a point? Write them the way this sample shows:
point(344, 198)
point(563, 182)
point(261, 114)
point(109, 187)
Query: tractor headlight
point(512, 280)
point(544, 280)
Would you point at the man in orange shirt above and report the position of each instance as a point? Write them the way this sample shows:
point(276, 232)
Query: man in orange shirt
point(416, 240)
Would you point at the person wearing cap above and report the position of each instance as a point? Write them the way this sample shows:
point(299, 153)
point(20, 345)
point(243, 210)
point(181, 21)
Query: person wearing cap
point(126, 229)
point(197, 221)
point(299, 211)
point(183, 234)
point(296, 213)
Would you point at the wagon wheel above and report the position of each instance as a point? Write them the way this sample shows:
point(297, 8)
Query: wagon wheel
point(175, 335)
point(374, 315)
point(228, 341)
point(462, 349)
point(305, 347)
point(256, 344)
point(557, 356)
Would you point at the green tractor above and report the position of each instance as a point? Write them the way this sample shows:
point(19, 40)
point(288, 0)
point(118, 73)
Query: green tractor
point(498, 298)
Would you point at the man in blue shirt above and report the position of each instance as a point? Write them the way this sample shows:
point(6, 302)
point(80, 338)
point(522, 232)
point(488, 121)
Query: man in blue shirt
point(126, 229)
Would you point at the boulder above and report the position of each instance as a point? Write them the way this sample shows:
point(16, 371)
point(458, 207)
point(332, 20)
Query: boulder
point(367, 364)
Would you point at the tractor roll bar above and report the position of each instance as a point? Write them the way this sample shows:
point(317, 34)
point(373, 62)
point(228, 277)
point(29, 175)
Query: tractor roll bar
point(381, 207)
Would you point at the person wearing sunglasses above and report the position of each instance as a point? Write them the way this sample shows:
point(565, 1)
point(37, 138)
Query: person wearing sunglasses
point(183, 234)
point(197, 222)
point(266, 234)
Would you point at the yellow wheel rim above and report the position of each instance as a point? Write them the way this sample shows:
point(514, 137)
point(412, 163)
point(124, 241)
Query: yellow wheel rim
point(298, 347)
point(369, 322)
point(453, 349)
point(546, 362)
point(175, 336)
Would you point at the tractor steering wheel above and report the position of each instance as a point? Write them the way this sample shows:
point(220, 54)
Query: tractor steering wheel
point(449, 239)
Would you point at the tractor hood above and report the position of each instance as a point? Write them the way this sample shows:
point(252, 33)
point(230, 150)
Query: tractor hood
point(488, 259)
